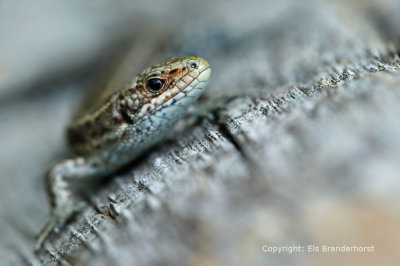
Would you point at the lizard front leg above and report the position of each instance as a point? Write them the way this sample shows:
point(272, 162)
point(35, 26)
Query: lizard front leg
point(58, 180)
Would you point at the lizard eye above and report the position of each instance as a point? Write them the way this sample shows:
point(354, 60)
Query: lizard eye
point(155, 85)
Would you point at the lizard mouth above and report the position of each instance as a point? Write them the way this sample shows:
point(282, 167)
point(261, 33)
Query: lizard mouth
point(199, 83)
point(195, 88)
point(175, 105)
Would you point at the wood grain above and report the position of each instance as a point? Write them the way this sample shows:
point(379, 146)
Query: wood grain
point(307, 155)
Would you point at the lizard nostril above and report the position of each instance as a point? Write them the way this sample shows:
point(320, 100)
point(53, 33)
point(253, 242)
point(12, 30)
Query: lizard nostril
point(193, 64)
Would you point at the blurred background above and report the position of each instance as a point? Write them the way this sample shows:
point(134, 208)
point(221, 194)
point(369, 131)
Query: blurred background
point(53, 52)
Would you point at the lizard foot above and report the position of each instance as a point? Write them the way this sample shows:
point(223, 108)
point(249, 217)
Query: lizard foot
point(57, 218)
point(208, 108)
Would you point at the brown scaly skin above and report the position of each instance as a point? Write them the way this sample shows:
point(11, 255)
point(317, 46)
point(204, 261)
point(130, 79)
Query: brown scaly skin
point(118, 130)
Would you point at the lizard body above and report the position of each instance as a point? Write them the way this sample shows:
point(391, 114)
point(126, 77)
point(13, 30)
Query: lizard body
point(123, 126)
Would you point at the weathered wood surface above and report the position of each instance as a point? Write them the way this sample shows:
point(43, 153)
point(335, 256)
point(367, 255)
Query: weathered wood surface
point(309, 155)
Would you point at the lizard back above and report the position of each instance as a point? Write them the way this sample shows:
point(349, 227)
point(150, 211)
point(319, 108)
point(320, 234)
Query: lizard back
point(142, 112)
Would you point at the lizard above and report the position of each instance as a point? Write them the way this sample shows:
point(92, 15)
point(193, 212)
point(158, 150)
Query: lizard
point(122, 126)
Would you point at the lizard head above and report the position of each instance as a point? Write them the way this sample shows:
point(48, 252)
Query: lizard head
point(165, 90)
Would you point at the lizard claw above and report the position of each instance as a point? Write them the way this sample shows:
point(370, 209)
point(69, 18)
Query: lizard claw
point(52, 224)
point(56, 220)
point(208, 108)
